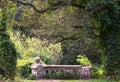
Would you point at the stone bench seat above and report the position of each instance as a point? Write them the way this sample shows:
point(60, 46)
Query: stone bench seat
point(84, 72)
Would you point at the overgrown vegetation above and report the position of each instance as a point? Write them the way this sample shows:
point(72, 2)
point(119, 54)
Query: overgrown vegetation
point(8, 54)
point(29, 48)
point(108, 24)
point(24, 69)
point(83, 60)
point(58, 31)
point(62, 75)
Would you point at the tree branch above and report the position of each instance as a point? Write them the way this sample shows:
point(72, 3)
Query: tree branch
point(97, 9)
point(74, 4)
point(92, 28)
point(59, 4)
point(54, 6)
point(66, 38)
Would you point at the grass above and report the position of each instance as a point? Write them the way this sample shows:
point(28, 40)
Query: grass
point(92, 80)
point(17, 79)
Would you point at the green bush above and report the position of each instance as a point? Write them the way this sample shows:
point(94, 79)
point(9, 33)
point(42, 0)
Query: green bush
point(8, 54)
point(83, 60)
point(48, 53)
point(1, 76)
point(31, 77)
point(24, 70)
point(75, 75)
point(98, 72)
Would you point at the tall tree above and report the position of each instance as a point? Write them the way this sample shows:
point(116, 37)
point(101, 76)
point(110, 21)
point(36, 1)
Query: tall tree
point(8, 55)
point(106, 16)
point(108, 22)
point(52, 26)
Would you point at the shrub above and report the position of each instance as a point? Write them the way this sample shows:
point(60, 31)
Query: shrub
point(48, 53)
point(75, 75)
point(1, 77)
point(97, 72)
point(8, 54)
point(24, 70)
point(31, 77)
point(83, 60)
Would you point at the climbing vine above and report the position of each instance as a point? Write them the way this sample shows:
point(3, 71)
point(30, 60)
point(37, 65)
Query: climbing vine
point(8, 55)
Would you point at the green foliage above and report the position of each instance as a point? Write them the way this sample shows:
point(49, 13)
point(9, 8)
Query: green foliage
point(83, 60)
point(52, 26)
point(98, 72)
point(1, 76)
point(8, 54)
point(83, 2)
point(61, 75)
point(108, 23)
point(92, 80)
point(31, 47)
point(31, 77)
point(24, 69)
point(106, 20)
point(71, 49)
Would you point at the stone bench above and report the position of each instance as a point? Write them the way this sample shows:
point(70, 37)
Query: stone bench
point(84, 72)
